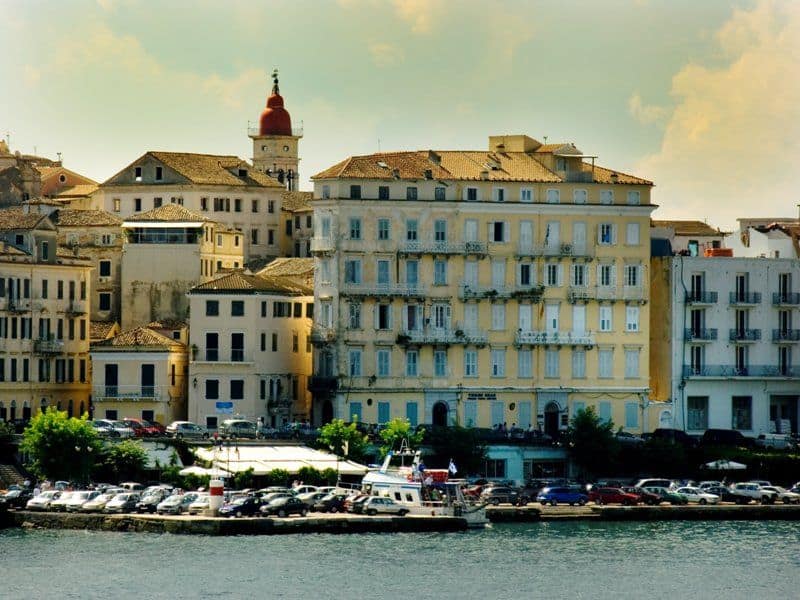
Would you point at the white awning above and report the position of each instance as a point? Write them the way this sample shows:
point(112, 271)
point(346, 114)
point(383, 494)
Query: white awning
point(263, 459)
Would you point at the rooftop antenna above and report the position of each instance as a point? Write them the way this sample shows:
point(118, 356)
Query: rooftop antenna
point(59, 156)
point(379, 145)
point(545, 139)
point(8, 139)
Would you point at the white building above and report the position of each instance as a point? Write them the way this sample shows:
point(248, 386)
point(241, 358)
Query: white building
point(735, 335)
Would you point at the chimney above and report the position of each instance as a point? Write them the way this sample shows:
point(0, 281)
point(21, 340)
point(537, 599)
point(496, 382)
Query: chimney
point(434, 157)
point(396, 173)
point(485, 175)
point(428, 173)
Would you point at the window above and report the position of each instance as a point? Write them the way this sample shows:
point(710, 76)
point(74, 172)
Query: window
point(355, 192)
point(297, 222)
point(439, 193)
point(411, 230)
point(384, 229)
point(606, 313)
point(352, 271)
point(212, 389)
point(383, 192)
point(634, 198)
point(104, 302)
point(553, 196)
point(237, 347)
point(605, 275)
point(383, 313)
point(382, 273)
point(551, 363)
point(631, 318)
point(606, 234)
point(440, 230)
point(498, 362)
point(499, 194)
point(354, 315)
point(274, 344)
point(157, 202)
point(697, 412)
point(742, 412)
point(137, 204)
point(632, 363)
point(105, 268)
point(383, 360)
point(354, 362)
point(412, 272)
point(254, 235)
point(526, 195)
point(632, 234)
point(497, 232)
point(605, 363)
point(212, 346)
point(498, 316)
point(412, 363)
point(439, 272)
point(578, 275)
point(237, 389)
point(632, 275)
point(411, 193)
point(524, 363)
point(525, 271)
point(552, 274)
point(295, 343)
point(578, 364)
point(606, 197)
point(579, 196)
point(440, 363)
point(212, 308)
point(470, 363)
point(116, 204)
point(355, 228)
point(237, 308)
point(471, 194)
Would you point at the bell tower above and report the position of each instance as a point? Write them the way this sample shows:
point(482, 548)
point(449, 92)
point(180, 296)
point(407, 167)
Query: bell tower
point(275, 143)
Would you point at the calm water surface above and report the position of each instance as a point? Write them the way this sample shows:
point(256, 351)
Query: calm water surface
point(553, 560)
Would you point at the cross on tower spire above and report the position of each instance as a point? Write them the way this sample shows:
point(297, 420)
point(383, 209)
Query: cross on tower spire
point(275, 89)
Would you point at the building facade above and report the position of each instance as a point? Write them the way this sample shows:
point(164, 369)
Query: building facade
point(250, 349)
point(504, 286)
point(44, 319)
point(733, 338)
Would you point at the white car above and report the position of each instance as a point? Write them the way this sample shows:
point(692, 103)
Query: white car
point(703, 485)
point(200, 505)
point(78, 499)
point(98, 503)
point(122, 503)
point(43, 500)
point(176, 504)
point(694, 494)
point(784, 495)
point(375, 505)
point(122, 430)
point(61, 503)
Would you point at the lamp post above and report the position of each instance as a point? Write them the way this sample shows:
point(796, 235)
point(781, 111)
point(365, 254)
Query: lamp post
point(84, 454)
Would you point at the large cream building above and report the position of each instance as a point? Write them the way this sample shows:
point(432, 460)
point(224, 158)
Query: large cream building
point(44, 319)
point(507, 285)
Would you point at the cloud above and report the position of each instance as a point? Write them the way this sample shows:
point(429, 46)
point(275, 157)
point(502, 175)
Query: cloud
point(385, 55)
point(645, 113)
point(731, 146)
point(421, 14)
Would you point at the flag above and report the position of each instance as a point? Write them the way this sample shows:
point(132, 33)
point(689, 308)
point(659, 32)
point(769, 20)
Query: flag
point(452, 468)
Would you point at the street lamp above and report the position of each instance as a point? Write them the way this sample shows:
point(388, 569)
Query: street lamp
point(84, 452)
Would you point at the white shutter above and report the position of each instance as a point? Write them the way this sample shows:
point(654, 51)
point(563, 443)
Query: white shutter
point(614, 234)
point(613, 275)
point(560, 275)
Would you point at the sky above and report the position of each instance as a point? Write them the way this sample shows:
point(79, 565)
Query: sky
point(701, 97)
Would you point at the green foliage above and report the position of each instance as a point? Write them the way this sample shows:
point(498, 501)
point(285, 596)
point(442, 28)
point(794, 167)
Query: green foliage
point(127, 460)
point(6, 431)
point(592, 445)
point(396, 431)
point(461, 444)
point(60, 447)
point(243, 479)
point(338, 436)
point(278, 477)
point(329, 477)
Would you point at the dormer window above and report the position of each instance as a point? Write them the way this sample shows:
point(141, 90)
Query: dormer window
point(137, 173)
point(561, 164)
point(45, 251)
point(242, 172)
point(159, 173)
point(19, 239)
point(62, 178)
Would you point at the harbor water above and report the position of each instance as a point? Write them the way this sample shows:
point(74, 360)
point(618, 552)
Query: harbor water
point(730, 559)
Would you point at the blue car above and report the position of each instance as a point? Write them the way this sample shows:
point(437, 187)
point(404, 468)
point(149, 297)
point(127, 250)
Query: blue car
point(562, 495)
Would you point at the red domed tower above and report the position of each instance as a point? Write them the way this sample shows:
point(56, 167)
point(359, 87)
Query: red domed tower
point(275, 143)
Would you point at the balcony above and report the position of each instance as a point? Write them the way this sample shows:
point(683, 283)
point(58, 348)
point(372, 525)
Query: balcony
point(237, 355)
point(322, 245)
point(551, 251)
point(476, 292)
point(786, 299)
point(130, 393)
point(434, 336)
point(696, 297)
point(399, 290)
point(696, 334)
point(322, 384)
point(553, 338)
point(723, 371)
point(48, 346)
point(744, 335)
point(442, 247)
point(633, 294)
point(786, 336)
point(18, 305)
point(580, 294)
point(75, 308)
point(745, 298)
point(607, 292)
point(256, 132)
point(322, 335)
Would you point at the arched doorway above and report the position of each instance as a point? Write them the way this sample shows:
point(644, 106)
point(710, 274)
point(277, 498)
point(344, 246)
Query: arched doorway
point(69, 408)
point(439, 417)
point(551, 416)
point(12, 413)
point(43, 405)
point(26, 411)
point(327, 411)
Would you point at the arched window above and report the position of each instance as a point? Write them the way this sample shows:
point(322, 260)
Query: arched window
point(69, 408)
point(2, 411)
point(12, 414)
point(43, 405)
point(26, 410)
point(440, 410)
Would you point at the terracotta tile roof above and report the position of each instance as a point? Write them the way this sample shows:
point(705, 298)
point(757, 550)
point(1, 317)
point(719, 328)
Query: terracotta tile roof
point(77, 191)
point(8, 250)
point(168, 324)
point(73, 217)
point(166, 213)
point(462, 165)
point(241, 282)
point(16, 218)
point(140, 337)
point(46, 172)
point(288, 266)
point(101, 330)
point(688, 227)
point(296, 201)
point(212, 169)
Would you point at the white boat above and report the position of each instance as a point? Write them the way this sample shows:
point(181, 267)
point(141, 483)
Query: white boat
point(424, 492)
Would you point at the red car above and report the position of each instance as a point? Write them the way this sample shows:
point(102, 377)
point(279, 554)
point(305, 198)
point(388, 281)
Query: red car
point(141, 428)
point(608, 495)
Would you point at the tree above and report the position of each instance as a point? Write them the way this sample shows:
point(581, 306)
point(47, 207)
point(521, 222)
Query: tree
point(459, 444)
point(342, 439)
point(395, 432)
point(124, 461)
point(61, 447)
point(592, 445)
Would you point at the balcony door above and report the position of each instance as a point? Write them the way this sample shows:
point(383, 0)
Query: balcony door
point(112, 381)
point(525, 312)
point(148, 381)
point(579, 237)
point(525, 235)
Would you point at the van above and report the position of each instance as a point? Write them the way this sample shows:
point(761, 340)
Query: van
point(778, 441)
point(238, 428)
point(726, 437)
point(676, 436)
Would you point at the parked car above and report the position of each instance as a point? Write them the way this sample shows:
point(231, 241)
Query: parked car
point(501, 495)
point(726, 437)
point(661, 483)
point(104, 429)
point(122, 430)
point(159, 428)
point(186, 429)
point(724, 493)
point(332, 503)
point(777, 441)
point(243, 506)
point(783, 494)
point(645, 497)
point(151, 499)
point(43, 500)
point(709, 484)
point(122, 503)
point(78, 499)
point(283, 507)
point(675, 436)
point(238, 428)
point(200, 505)
point(695, 494)
point(351, 502)
point(623, 437)
point(311, 498)
point(60, 504)
point(612, 495)
point(17, 498)
point(176, 504)
point(748, 491)
point(98, 503)
point(667, 495)
point(562, 495)
point(386, 506)
point(304, 489)
point(141, 428)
